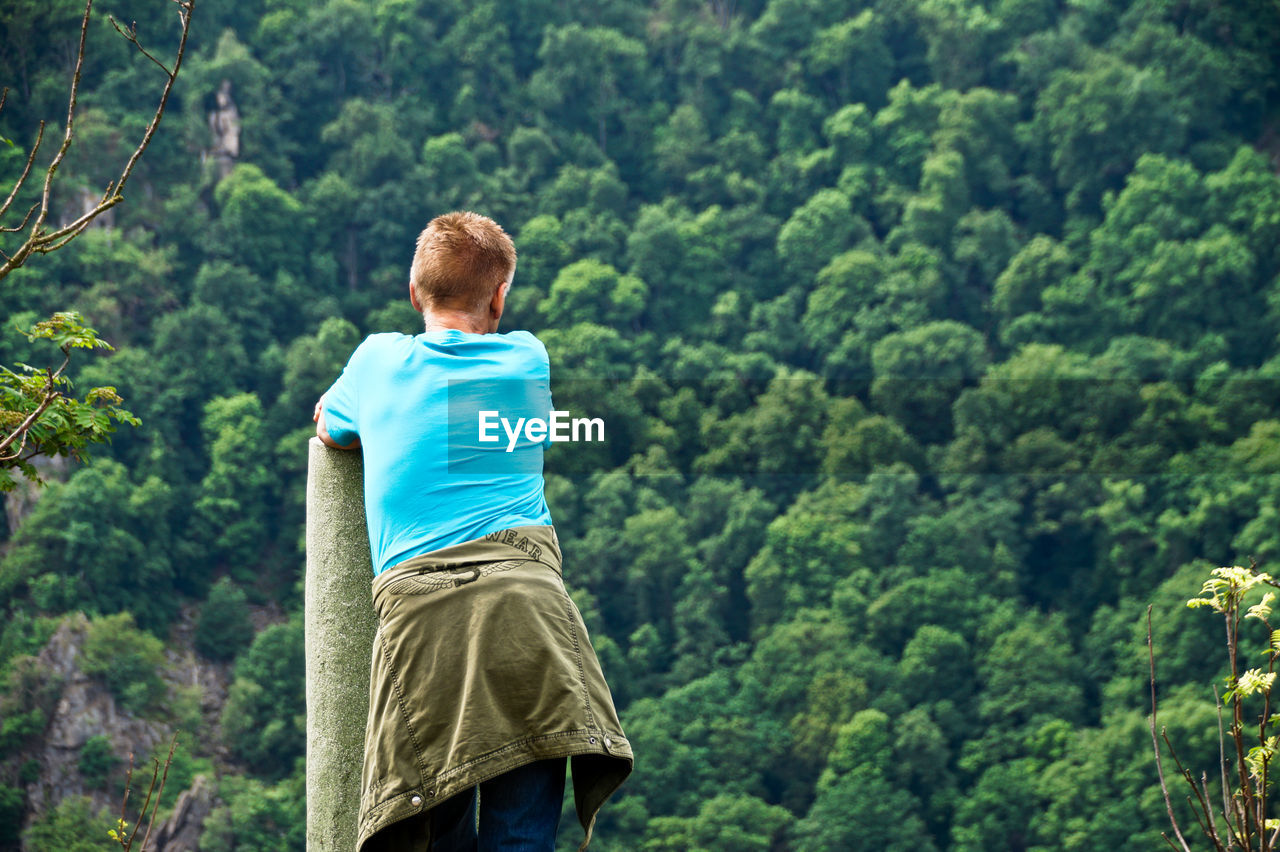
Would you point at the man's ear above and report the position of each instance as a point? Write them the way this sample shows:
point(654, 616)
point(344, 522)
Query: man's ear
point(499, 301)
point(413, 299)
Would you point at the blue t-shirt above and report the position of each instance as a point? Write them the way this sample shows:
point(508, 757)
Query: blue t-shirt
point(414, 403)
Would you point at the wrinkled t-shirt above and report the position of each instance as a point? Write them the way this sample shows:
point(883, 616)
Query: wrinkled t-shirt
point(429, 481)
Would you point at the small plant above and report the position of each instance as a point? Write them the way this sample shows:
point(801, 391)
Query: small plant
point(1242, 822)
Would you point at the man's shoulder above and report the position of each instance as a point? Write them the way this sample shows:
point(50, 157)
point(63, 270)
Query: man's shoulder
point(520, 335)
point(387, 338)
point(525, 339)
point(381, 342)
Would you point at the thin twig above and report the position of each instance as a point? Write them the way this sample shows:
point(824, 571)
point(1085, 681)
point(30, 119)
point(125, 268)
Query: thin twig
point(132, 36)
point(1155, 744)
point(167, 763)
point(1204, 782)
point(128, 785)
point(25, 219)
point(26, 170)
point(186, 8)
point(1186, 776)
point(71, 118)
point(1222, 759)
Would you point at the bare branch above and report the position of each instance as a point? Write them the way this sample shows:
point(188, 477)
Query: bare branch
point(1222, 758)
point(1204, 782)
point(38, 240)
point(128, 785)
point(80, 224)
point(167, 763)
point(26, 170)
point(1155, 743)
point(71, 118)
point(25, 219)
point(78, 231)
point(132, 36)
point(1202, 800)
point(186, 7)
point(1204, 829)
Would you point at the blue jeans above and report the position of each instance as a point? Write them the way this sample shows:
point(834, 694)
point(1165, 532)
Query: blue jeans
point(519, 812)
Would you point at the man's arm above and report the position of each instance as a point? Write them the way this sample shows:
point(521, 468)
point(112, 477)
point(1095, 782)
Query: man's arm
point(323, 433)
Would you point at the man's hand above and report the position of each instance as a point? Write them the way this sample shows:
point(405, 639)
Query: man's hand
point(323, 433)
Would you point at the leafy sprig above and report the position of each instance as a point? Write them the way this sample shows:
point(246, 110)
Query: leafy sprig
point(39, 411)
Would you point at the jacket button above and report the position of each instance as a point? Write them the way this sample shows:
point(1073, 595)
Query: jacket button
point(416, 800)
point(607, 742)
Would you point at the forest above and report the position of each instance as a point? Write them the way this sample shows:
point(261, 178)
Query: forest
point(936, 340)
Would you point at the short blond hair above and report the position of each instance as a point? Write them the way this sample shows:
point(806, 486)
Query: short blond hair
point(461, 260)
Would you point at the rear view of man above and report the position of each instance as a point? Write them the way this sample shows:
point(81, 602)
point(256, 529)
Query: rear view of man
point(483, 676)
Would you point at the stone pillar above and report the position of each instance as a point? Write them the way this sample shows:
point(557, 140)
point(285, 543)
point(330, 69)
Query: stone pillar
point(339, 640)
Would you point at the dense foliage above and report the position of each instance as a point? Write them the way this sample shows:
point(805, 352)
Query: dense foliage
point(936, 339)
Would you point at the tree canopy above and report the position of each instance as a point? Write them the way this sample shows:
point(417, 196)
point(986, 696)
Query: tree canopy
point(934, 339)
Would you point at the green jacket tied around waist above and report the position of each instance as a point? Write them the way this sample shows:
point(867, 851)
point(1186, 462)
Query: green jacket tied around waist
point(481, 664)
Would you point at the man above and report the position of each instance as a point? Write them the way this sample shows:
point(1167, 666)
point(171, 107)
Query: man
point(483, 674)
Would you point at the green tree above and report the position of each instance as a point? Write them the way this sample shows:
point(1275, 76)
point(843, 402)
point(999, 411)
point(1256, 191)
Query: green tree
point(258, 817)
point(818, 231)
point(223, 628)
point(590, 291)
point(806, 551)
point(599, 68)
point(919, 373)
point(263, 718)
point(97, 560)
point(98, 761)
point(858, 807)
point(70, 826)
point(128, 661)
point(231, 506)
point(256, 222)
point(1096, 122)
point(722, 824)
point(852, 60)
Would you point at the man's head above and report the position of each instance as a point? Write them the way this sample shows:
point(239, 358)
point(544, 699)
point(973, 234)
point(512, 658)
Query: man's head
point(462, 262)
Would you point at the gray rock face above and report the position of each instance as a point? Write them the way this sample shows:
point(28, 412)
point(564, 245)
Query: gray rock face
point(86, 708)
point(181, 831)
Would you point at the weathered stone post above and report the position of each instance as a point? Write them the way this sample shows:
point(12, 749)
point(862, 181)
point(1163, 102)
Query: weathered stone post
point(339, 639)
